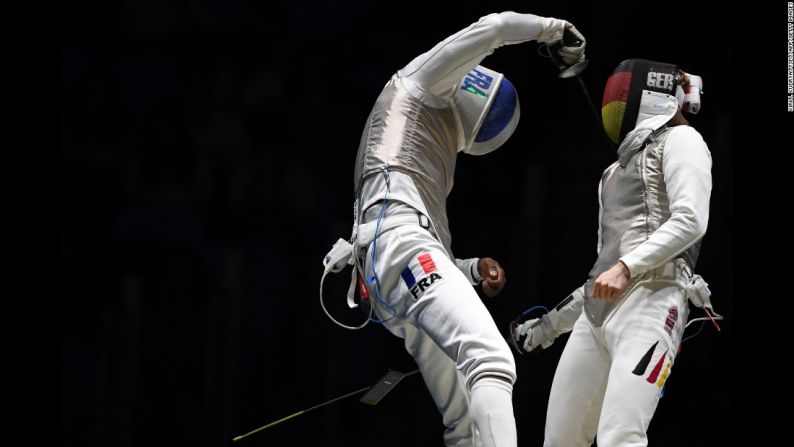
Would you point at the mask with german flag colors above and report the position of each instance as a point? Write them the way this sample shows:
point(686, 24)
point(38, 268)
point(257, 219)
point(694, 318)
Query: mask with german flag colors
point(639, 94)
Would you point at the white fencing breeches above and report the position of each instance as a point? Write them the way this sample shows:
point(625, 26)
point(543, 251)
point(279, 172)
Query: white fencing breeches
point(609, 378)
point(447, 329)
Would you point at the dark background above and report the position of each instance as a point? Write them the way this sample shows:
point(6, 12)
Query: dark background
point(206, 168)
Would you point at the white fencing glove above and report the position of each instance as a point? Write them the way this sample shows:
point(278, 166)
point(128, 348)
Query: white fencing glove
point(541, 332)
point(572, 53)
point(554, 30)
point(538, 332)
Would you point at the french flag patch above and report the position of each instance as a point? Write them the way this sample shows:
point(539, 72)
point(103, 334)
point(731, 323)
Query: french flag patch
point(430, 275)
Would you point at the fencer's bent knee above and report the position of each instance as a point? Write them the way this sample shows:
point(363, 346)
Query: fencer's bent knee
point(499, 364)
point(503, 369)
point(491, 375)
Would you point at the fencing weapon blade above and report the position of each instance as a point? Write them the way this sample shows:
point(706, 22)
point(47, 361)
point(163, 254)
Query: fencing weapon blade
point(379, 390)
point(573, 71)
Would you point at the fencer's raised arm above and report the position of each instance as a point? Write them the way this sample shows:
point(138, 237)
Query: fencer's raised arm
point(440, 69)
point(687, 176)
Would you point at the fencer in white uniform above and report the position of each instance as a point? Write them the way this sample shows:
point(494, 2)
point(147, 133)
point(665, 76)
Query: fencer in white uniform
point(438, 105)
point(628, 318)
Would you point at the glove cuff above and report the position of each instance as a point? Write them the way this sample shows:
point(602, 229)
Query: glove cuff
point(547, 329)
point(552, 29)
point(469, 269)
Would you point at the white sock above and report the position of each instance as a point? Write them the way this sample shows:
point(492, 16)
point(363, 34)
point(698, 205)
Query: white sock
point(492, 410)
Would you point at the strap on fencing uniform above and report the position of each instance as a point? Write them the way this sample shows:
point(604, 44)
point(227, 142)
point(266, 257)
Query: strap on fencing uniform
point(341, 254)
point(697, 290)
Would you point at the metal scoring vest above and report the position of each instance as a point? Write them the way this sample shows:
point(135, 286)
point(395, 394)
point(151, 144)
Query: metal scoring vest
point(634, 204)
point(405, 135)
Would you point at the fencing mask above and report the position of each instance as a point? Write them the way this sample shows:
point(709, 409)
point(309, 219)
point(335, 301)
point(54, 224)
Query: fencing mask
point(642, 93)
point(488, 108)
